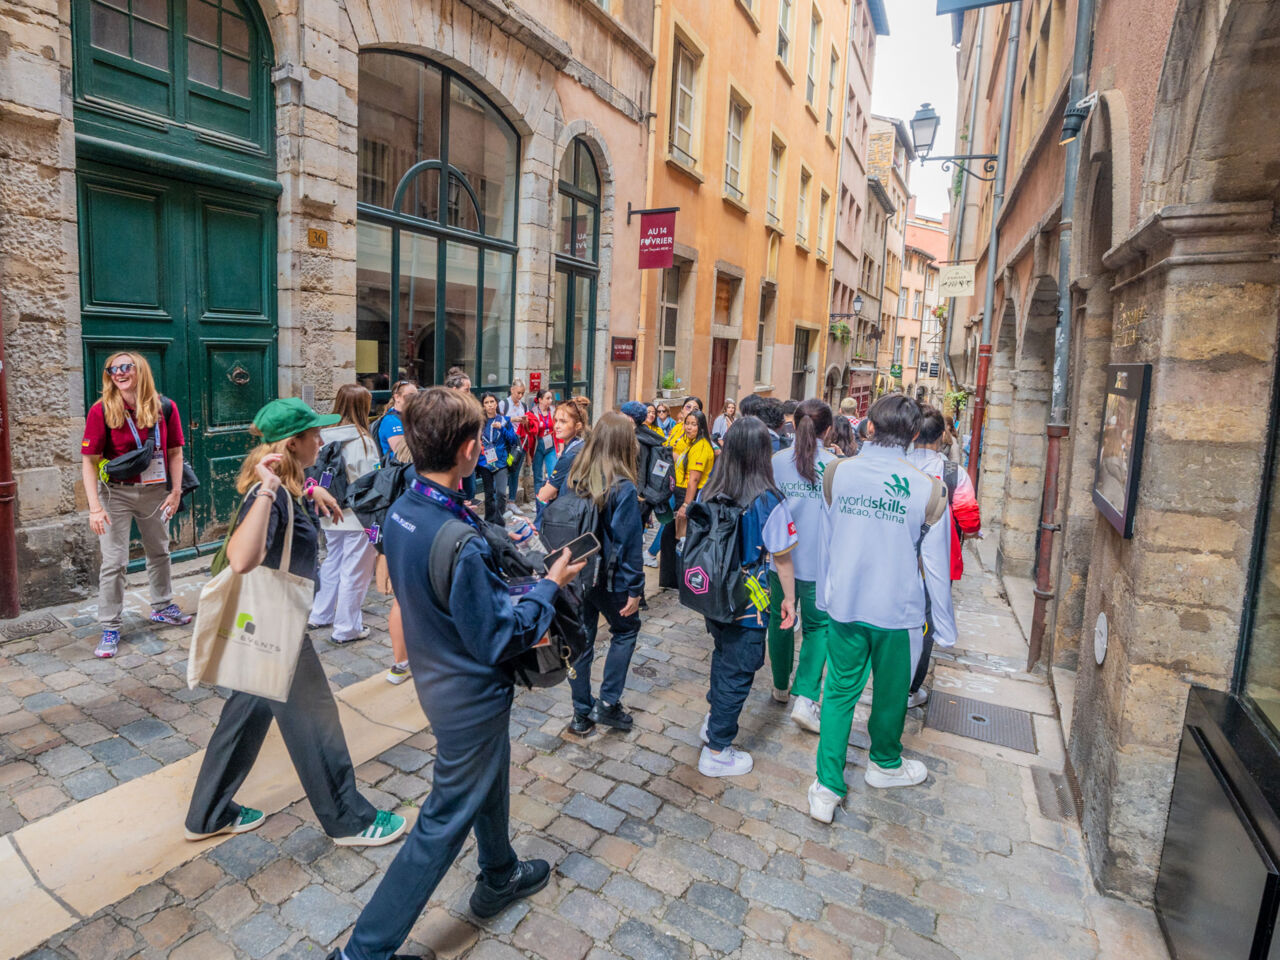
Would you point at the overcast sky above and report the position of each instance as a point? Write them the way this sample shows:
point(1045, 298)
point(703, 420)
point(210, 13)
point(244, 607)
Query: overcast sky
point(916, 64)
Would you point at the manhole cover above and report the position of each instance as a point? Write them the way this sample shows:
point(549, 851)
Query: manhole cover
point(30, 627)
point(988, 722)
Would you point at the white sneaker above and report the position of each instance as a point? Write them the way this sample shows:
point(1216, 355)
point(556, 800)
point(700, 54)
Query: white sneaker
point(727, 763)
point(807, 715)
point(781, 696)
point(650, 560)
point(908, 775)
point(822, 802)
point(918, 699)
point(703, 732)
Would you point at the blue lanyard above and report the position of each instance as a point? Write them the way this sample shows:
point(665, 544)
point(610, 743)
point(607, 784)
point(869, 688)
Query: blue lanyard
point(134, 430)
point(488, 433)
point(435, 496)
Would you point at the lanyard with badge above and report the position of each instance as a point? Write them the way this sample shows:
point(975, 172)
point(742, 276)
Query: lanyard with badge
point(545, 423)
point(490, 447)
point(155, 472)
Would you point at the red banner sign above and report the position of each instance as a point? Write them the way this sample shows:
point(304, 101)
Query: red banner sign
point(624, 349)
point(657, 240)
point(535, 382)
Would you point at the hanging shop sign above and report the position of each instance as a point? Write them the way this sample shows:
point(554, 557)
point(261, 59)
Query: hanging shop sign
point(1119, 460)
point(895, 371)
point(657, 240)
point(624, 349)
point(955, 280)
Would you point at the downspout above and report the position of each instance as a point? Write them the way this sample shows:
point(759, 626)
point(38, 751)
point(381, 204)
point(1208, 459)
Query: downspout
point(8, 511)
point(1058, 425)
point(964, 191)
point(993, 244)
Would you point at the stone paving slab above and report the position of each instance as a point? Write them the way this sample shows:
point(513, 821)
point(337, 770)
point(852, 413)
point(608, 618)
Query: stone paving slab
point(654, 861)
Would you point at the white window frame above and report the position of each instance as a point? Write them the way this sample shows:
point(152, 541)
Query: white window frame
point(902, 302)
point(831, 92)
point(777, 165)
point(680, 89)
point(668, 299)
point(785, 8)
point(802, 206)
point(897, 350)
point(824, 209)
point(733, 154)
point(811, 63)
point(911, 352)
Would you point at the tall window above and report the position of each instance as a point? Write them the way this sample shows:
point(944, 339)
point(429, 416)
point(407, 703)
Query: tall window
point(802, 208)
point(917, 305)
point(763, 373)
point(774, 211)
point(902, 302)
point(897, 349)
point(436, 227)
point(930, 278)
point(733, 179)
point(577, 256)
point(668, 320)
point(911, 352)
point(833, 74)
point(811, 65)
point(784, 31)
point(682, 104)
point(824, 205)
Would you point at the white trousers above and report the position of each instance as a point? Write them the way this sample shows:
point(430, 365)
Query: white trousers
point(344, 580)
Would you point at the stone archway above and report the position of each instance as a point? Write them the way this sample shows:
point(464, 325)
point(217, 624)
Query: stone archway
point(995, 430)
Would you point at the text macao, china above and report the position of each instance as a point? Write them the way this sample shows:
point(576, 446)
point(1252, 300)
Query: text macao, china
point(657, 240)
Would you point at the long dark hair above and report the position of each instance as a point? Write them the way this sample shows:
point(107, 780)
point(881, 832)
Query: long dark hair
point(841, 436)
point(813, 420)
point(703, 432)
point(744, 468)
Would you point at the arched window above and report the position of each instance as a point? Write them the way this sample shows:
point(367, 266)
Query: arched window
point(577, 271)
point(436, 212)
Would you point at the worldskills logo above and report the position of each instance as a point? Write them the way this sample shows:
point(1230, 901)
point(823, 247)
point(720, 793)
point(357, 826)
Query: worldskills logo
point(897, 487)
point(696, 579)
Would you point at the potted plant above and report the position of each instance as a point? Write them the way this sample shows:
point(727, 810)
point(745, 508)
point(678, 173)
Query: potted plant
point(840, 331)
point(669, 388)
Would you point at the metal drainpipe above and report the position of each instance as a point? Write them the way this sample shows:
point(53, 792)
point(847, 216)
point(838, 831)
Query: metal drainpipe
point(8, 513)
point(993, 245)
point(1058, 425)
point(964, 191)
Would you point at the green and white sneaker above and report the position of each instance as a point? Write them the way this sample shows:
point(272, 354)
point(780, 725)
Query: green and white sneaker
point(386, 828)
point(249, 819)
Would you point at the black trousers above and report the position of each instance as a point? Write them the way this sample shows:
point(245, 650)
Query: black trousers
point(622, 644)
point(668, 563)
point(495, 493)
point(313, 735)
point(470, 788)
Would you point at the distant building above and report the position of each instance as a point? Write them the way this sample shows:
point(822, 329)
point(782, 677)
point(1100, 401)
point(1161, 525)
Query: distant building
point(890, 159)
point(926, 246)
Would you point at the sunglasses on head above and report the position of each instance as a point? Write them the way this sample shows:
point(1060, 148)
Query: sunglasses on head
point(121, 368)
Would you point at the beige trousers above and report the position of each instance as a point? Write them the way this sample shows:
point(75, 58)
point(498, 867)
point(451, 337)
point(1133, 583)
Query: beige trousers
point(125, 502)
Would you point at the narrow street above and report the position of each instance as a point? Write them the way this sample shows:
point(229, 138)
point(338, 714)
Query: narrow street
point(653, 861)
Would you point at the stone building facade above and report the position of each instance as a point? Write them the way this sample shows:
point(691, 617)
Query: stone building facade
point(208, 184)
point(1173, 269)
point(890, 157)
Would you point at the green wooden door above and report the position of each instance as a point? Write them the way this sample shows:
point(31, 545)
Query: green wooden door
point(184, 274)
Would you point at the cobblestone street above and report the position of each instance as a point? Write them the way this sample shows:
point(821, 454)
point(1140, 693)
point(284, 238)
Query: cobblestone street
point(652, 860)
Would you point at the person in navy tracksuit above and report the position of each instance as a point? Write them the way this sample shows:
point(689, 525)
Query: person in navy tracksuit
point(605, 472)
point(498, 442)
point(457, 648)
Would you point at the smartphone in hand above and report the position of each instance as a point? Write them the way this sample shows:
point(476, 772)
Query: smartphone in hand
point(579, 549)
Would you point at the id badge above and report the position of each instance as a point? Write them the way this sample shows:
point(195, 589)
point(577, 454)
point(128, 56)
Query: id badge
point(548, 442)
point(155, 470)
point(491, 456)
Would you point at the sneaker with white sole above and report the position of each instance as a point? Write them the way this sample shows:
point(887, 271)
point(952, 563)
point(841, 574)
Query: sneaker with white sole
point(781, 695)
point(398, 673)
point(807, 715)
point(822, 802)
point(362, 635)
point(248, 819)
point(650, 560)
point(908, 775)
point(171, 615)
point(386, 827)
point(918, 699)
point(106, 648)
point(727, 763)
point(706, 738)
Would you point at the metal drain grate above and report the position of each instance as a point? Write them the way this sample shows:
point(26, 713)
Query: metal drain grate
point(30, 627)
point(1053, 793)
point(987, 722)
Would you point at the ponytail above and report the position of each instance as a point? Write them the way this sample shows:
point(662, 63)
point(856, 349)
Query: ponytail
point(813, 419)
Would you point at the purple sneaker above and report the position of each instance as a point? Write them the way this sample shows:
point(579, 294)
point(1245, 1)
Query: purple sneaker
point(171, 615)
point(106, 648)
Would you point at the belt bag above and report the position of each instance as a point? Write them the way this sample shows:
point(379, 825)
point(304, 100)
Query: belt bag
point(129, 465)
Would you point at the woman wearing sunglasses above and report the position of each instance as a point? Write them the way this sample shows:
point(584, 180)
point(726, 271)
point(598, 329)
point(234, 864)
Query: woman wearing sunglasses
point(130, 417)
point(665, 420)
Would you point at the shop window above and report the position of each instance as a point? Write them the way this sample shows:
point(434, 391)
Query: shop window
point(436, 222)
point(577, 253)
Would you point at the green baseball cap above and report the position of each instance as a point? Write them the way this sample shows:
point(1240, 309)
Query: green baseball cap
point(288, 417)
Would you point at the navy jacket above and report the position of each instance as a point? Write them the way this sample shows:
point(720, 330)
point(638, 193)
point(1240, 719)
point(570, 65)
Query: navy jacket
point(624, 540)
point(456, 657)
point(501, 436)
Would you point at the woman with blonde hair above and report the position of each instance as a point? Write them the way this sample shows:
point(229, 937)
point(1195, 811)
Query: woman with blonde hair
point(605, 473)
point(349, 556)
point(130, 417)
point(279, 497)
point(572, 423)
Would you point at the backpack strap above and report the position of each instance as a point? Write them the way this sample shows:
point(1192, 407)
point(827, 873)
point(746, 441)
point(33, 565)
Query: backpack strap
point(934, 510)
point(446, 547)
point(829, 478)
point(951, 477)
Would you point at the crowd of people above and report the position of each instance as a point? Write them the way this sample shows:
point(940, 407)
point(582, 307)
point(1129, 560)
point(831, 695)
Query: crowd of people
point(777, 515)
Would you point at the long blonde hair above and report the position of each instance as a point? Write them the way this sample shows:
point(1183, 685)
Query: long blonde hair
point(608, 456)
point(146, 409)
point(288, 469)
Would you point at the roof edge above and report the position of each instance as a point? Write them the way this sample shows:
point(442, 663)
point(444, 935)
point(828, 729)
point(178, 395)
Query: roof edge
point(879, 19)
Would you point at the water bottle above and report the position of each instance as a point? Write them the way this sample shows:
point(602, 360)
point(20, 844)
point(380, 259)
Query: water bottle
point(522, 533)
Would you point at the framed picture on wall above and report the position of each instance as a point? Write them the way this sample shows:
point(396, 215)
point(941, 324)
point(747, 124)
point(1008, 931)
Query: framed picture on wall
point(1119, 460)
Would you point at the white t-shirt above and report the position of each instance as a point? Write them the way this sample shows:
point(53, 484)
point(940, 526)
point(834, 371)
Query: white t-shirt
point(804, 500)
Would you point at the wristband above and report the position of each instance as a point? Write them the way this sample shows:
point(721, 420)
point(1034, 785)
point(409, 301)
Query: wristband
point(308, 488)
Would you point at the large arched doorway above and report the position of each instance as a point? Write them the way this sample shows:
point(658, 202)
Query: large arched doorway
point(436, 227)
point(175, 155)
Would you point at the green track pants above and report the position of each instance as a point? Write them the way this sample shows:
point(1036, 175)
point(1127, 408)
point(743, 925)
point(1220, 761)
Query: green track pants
point(782, 643)
point(855, 651)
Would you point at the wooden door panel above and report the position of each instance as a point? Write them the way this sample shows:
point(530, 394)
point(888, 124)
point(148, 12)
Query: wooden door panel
point(124, 234)
point(233, 272)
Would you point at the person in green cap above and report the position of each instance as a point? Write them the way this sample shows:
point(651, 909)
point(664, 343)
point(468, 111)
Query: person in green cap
point(308, 720)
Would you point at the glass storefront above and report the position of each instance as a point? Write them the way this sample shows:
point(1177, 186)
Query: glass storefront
point(438, 168)
point(1261, 680)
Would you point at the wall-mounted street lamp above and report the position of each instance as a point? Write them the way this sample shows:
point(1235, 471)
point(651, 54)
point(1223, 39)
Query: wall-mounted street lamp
point(924, 129)
point(1074, 116)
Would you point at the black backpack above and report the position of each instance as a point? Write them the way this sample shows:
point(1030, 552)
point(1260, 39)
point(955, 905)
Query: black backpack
point(712, 581)
point(330, 470)
point(372, 494)
point(568, 517)
point(657, 471)
point(541, 666)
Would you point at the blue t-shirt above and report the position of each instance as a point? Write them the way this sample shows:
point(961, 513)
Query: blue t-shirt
point(389, 426)
point(766, 528)
point(567, 456)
